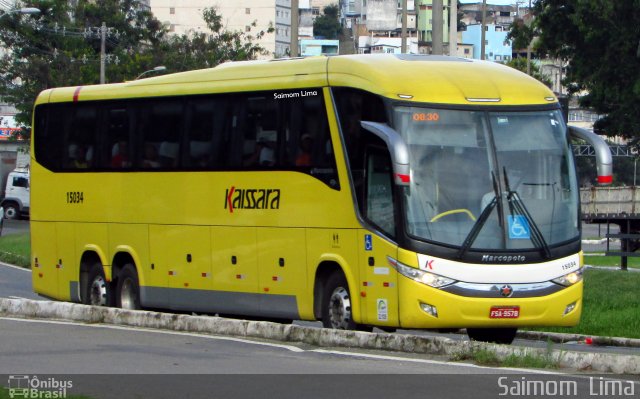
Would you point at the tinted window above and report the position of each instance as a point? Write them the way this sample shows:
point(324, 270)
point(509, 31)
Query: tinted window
point(271, 130)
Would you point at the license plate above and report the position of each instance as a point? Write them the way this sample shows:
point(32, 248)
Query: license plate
point(504, 312)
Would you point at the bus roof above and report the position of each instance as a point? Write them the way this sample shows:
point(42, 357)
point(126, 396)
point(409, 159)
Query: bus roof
point(420, 78)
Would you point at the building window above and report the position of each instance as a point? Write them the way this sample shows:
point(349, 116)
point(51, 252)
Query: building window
point(247, 11)
point(316, 10)
point(172, 10)
point(172, 28)
point(247, 28)
point(277, 13)
point(498, 58)
point(466, 51)
point(486, 42)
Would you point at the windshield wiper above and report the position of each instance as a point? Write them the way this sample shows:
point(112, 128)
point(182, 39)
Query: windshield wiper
point(482, 219)
point(516, 203)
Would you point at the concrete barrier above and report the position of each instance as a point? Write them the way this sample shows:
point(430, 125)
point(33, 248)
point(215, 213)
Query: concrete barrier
point(454, 349)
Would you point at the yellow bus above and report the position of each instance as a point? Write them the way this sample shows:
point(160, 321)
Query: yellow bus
point(396, 191)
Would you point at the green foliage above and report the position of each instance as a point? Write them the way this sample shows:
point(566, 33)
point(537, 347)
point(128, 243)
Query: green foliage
point(610, 305)
point(521, 65)
point(61, 47)
point(328, 25)
point(198, 50)
point(15, 249)
point(600, 42)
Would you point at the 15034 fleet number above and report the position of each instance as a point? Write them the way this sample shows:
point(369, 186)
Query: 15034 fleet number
point(75, 197)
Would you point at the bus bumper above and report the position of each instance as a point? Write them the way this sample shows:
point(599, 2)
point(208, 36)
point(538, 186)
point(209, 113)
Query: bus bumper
point(422, 306)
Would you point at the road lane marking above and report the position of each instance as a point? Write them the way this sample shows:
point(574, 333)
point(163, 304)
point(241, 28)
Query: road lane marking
point(126, 328)
point(15, 267)
point(290, 347)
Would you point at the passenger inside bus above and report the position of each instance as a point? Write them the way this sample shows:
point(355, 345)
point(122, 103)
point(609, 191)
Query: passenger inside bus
point(151, 157)
point(120, 158)
point(304, 155)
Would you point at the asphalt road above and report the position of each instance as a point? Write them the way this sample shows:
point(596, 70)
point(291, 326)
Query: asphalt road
point(105, 362)
point(15, 226)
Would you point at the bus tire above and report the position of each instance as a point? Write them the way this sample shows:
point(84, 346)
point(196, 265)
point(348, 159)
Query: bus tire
point(493, 335)
point(128, 289)
point(336, 304)
point(97, 292)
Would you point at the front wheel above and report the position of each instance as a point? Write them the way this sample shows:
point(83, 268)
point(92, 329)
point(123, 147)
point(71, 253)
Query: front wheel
point(336, 304)
point(493, 335)
point(128, 289)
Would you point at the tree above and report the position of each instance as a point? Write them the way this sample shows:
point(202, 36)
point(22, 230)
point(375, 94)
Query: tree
point(61, 47)
point(205, 50)
point(600, 42)
point(521, 65)
point(328, 25)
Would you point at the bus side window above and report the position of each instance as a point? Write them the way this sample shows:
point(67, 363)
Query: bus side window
point(118, 149)
point(162, 128)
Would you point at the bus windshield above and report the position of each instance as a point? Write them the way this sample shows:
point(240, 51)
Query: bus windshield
point(489, 180)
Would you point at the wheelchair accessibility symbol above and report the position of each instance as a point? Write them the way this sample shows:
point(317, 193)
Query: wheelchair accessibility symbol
point(519, 228)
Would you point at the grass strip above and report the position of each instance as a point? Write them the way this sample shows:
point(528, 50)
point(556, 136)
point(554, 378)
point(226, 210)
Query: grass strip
point(15, 249)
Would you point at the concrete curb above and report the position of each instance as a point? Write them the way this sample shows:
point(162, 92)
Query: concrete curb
point(620, 364)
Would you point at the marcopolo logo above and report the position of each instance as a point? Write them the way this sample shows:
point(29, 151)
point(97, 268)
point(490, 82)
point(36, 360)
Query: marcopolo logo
point(24, 386)
point(251, 198)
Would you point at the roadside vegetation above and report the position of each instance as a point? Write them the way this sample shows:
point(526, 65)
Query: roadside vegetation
point(15, 249)
point(488, 357)
point(611, 261)
point(610, 305)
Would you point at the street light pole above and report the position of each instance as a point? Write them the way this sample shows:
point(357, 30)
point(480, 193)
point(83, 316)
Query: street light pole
point(160, 68)
point(23, 11)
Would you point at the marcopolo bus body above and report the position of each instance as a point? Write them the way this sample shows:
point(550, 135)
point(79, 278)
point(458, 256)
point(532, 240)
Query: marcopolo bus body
point(391, 191)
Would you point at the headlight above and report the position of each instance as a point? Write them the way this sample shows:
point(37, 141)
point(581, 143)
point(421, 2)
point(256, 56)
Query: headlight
point(430, 279)
point(569, 279)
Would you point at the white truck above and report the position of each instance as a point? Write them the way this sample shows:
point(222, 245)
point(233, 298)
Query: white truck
point(16, 200)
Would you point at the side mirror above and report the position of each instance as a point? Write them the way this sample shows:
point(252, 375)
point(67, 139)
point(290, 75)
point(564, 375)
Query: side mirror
point(604, 160)
point(397, 147)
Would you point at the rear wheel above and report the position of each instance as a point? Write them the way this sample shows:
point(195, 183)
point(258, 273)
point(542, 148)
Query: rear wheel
point(97, 292)
point(128, 289)
point(493, 335)
point(336, 304)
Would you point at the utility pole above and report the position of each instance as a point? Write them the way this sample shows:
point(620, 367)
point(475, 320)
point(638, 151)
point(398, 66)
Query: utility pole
point(484, 26)
point(103, 50)
point(453, 27)
point(404, 27)
point(437, 26)
point(294, 28)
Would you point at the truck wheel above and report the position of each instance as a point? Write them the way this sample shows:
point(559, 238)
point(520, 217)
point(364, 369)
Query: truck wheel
point(128, 289)
point(493, 335)
point(336, 304)
point(11, 211)
point(97, 292)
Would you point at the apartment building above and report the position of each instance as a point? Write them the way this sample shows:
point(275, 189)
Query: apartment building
point(184, 16)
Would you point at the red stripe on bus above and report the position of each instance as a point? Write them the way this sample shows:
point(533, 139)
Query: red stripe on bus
point(76, 94)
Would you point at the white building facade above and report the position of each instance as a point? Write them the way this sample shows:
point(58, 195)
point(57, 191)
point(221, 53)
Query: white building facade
point(184, 16)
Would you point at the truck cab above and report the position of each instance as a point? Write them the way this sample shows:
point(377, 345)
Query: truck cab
point(16, 201)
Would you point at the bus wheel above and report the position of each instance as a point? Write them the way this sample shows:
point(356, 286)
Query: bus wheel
point(493, 335)
point(336, 304)
point(97, 290)
point(128, 289)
